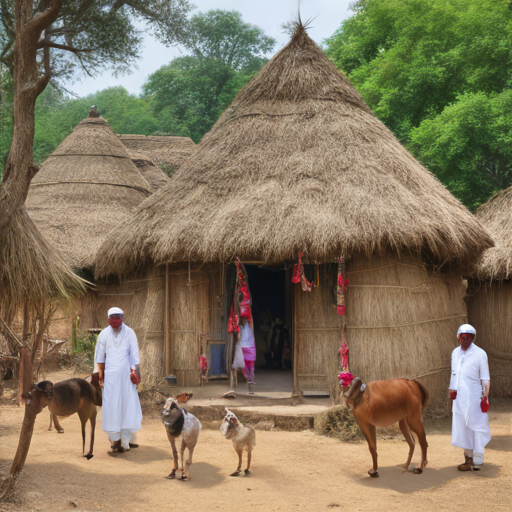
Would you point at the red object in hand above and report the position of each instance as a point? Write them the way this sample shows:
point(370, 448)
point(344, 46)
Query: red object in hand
point(453, 395)
point(134, 377)
point(484, 404)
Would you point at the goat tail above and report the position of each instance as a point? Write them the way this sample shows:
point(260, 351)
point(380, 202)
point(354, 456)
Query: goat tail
point(424, 393)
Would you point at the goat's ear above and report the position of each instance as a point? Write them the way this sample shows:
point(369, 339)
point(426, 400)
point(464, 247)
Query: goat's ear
point(233, 420)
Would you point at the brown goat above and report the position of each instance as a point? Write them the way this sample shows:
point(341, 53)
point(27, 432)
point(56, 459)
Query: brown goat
point(80, 396)
point(385, 402)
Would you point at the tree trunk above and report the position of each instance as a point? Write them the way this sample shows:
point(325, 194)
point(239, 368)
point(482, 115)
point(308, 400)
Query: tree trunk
point(28, 85)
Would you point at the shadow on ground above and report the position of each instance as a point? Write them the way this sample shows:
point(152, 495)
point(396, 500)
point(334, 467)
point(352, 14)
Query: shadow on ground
point(393, 477)
point(501, 443)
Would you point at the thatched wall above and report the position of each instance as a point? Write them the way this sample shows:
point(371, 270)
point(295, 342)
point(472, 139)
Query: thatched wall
point(142, 298)
point(401, 322)
point(490, 312)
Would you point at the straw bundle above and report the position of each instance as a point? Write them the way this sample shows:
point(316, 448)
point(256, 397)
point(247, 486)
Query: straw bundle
point(170, 153)
point(84, 189)
point(31, 271)
point(155, 177)
point(298, 162)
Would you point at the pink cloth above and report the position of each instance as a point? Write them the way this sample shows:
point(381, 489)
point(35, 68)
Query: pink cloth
point(249, 355)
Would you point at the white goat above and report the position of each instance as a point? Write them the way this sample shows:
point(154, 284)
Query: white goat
point(178, 422)
point(242, 437)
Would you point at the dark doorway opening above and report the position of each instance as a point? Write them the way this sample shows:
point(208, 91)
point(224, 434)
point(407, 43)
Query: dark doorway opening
point(271, 309)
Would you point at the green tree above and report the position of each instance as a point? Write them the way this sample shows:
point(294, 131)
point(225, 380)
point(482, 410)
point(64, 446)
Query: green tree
point(190, 93)
point(412, 60)
point(469, 145)
point(93, 35)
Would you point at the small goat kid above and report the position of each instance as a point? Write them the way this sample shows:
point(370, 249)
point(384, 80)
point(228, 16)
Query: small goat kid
point(75, 395)
point(242, 438)
point(178, 422)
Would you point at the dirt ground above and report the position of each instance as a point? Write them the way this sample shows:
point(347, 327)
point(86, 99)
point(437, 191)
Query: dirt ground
point(297, 471)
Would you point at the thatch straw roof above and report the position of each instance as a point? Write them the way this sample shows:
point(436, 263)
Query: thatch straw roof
point(298, 162)
point(87, 186)
point(31, 271)
point(496, 216)
point(164, 150)
point(155, 177)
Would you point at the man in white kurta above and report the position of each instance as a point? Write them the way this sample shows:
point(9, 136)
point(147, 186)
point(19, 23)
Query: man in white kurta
point(469, 384)
point(117, 357)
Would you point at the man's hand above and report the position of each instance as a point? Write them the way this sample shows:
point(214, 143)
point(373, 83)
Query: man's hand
point(101, 370)
point(134, 377)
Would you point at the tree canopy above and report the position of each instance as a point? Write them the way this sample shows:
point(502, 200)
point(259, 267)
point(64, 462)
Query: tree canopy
point(189, 94)
point(413, 60)
point(95, 34)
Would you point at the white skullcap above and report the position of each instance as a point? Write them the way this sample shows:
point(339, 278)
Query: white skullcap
point(115, 311)
point(466, 328)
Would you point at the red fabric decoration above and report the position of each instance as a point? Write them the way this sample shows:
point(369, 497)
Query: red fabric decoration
point(345, 378)
point(134, 377)
point(296, 274)
point(484, 404)
point(341, 310)
point(344, 355)
point(203, 366)
point(453, 395)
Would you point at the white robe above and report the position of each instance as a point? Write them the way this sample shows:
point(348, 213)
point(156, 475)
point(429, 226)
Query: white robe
point(121, 405)
point(470, 426)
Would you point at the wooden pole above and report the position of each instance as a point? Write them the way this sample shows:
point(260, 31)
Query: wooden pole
point(295, 346)
point(166, 333)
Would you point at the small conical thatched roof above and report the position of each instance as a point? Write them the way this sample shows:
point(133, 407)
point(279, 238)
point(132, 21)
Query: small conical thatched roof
point(496, 216)
point(164, 150)
point(155, 177)
point(87, 186)
point(298, 162)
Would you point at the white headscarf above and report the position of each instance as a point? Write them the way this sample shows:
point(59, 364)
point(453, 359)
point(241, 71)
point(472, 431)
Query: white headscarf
point(466, 328)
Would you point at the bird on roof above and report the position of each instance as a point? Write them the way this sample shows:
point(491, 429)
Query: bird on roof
point(94, 112)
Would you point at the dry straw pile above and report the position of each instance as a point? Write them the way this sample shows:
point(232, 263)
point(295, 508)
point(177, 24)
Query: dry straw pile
point(298, 162)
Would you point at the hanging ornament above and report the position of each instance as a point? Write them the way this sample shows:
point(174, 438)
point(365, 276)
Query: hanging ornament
point(203, 369)
point(299, 276)
point(345, 378)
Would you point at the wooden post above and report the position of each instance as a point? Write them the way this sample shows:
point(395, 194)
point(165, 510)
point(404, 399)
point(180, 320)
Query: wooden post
point(295, 346)
point(166, 333)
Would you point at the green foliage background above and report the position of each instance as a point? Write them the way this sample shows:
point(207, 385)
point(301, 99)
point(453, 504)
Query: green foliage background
point(438, 74)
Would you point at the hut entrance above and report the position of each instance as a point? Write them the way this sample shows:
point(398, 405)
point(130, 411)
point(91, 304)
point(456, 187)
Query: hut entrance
point(270, 289)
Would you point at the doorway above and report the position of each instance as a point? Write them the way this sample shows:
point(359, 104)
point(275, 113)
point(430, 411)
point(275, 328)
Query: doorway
point(270, 289)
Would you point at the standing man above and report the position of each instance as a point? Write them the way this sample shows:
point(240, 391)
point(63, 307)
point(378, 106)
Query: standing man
point(469, 389)
point(117, 357)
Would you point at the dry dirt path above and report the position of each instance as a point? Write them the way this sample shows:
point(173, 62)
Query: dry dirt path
point(297, 471)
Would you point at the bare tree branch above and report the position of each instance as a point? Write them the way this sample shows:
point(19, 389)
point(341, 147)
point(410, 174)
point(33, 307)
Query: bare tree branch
point(45, 43)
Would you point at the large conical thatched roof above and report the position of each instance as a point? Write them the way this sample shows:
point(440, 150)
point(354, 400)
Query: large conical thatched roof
point(496, 216)
point(87, 187)
point(298, 162)
point(164, 150)
point(155, 177)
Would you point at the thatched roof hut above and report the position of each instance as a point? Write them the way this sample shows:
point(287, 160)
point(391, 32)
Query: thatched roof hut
point(489, 296)
point(155, 177)
point(87, 186)
point(299, 163)
point(168, 152)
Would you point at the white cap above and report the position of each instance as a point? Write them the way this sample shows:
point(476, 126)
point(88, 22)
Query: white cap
point(466, 328)
point(115, 311)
